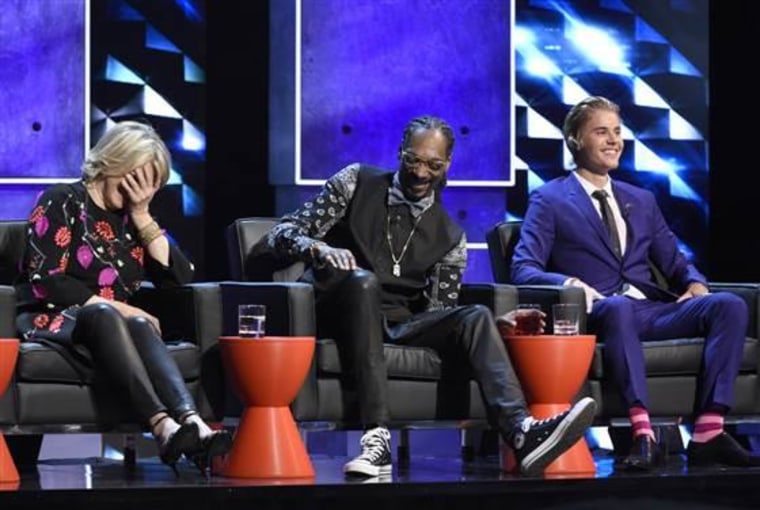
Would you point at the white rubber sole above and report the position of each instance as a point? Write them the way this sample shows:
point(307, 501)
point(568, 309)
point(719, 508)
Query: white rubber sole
point(365, 469)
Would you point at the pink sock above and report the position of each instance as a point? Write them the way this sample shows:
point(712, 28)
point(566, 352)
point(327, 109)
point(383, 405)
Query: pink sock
point(640, 422)
point(707, 426)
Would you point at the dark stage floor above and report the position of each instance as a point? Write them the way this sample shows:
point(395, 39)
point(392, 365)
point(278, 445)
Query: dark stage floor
point(428, 482)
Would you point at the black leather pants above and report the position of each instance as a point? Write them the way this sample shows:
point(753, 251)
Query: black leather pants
point(470, 333)
point(349, 310)
point(134, 359)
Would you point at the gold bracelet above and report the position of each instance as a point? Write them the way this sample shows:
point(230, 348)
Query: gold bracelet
point(160, 232)
point(149, 233)
point(153, 225)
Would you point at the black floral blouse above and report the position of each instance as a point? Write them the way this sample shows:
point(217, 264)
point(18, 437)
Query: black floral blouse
point(76, 250)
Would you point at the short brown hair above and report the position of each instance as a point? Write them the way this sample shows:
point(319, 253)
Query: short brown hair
point(579, 114)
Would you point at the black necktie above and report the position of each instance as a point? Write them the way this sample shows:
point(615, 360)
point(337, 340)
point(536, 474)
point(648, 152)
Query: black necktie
point(609, 220)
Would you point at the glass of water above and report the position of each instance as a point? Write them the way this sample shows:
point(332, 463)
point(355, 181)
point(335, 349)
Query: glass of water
point(252, 321)
point(566, 319)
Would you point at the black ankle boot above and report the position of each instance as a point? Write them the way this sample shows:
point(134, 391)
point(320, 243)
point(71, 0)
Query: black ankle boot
point(214, 445)
point(184, 441)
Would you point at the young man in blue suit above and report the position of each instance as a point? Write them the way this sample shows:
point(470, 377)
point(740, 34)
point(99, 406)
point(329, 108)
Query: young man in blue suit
point(590, 231)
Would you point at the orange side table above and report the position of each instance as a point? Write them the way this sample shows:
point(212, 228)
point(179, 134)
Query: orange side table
point(552, 369)
point(267, 373)
point(8, 355)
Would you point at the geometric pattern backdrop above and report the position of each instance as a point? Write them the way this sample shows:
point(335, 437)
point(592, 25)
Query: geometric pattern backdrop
point(148, 64)
point(649, 57)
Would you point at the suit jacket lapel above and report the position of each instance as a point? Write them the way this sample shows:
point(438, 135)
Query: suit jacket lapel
point(582, 202)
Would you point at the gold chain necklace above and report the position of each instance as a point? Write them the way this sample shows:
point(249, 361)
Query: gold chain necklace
point(397, 260)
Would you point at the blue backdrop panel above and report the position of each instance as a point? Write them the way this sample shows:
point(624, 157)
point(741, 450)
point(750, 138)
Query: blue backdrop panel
point(368, 67)
point(42, 100)
point(148, 64)
point(17, 201)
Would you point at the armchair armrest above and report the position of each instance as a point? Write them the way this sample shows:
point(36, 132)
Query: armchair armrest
point(191, 313)
point(290, 306)
point(499, 297)
point(750, 292)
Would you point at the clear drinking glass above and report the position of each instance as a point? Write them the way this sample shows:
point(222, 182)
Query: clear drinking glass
point(566, 319)
point(252, 321)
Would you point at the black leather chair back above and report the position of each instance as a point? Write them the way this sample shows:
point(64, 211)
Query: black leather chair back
point(249, 257)
point(501, 240)
point(12, 244)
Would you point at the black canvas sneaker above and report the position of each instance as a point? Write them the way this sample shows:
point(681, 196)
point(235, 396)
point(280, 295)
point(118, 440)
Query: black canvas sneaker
point(375, 458)
point(539, 442)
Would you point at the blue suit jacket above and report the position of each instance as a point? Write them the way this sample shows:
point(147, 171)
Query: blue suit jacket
point(563, 236)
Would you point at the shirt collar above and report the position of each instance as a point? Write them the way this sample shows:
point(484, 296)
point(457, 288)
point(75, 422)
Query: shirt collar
point(589, 188)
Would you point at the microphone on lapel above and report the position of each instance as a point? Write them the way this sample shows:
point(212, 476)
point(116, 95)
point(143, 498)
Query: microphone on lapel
point(627, 210)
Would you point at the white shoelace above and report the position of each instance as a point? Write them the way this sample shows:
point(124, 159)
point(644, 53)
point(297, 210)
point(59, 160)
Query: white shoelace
point(530, 422)
point(374, 443)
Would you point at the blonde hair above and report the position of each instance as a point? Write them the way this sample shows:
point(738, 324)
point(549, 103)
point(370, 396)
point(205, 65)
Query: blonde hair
point(124, 147)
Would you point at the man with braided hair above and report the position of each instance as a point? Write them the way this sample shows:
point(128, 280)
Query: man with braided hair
point(386, 262)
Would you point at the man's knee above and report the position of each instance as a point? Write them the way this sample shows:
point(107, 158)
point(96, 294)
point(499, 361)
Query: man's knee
point(479, 312)
point(613, 308)
point(613, 319)
point(728, 305)
point(728, 302)
point(362, 281)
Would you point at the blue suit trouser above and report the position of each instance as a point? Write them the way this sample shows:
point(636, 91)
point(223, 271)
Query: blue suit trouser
point(623, 323)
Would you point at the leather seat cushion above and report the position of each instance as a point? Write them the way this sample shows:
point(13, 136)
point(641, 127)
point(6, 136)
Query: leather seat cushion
point(39, 363)
point(681, 356)
point(403, 362)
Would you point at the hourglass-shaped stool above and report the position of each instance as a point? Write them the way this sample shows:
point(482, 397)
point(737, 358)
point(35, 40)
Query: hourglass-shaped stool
point(552, 369)
point(267, 373)
point(8, 355)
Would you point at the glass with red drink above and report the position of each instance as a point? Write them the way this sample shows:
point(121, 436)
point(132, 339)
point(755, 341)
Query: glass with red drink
point(529, 320)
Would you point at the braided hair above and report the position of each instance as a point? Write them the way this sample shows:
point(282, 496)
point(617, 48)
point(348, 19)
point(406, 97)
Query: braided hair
point(425, 123)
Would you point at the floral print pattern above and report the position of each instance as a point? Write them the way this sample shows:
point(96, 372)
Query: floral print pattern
point(62, 237)
point(104, 230)
point(76, 250)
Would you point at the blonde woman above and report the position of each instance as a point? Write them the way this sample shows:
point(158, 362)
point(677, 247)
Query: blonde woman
point(89, 245)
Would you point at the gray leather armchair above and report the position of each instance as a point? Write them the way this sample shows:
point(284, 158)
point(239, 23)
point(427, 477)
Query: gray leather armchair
point(672, 365)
